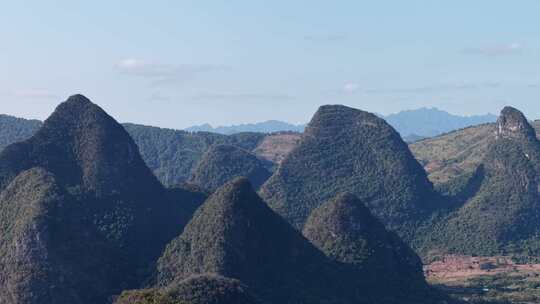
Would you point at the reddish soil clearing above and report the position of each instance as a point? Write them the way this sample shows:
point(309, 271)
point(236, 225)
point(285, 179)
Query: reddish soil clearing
point(275, 147)
point(457, 267)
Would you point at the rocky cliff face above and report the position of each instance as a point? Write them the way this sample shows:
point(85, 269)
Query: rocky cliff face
point(512, 124)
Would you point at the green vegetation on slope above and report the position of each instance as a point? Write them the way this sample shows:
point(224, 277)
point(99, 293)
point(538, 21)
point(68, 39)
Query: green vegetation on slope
point(173, 154)
point(199, 289)
point(459, 152)
point(236, 235)
point(222, 163)
point(503, 215)
point(15, 129)
point(348, 150)
point(344, 229)
point(28, 272)
point(110, 218)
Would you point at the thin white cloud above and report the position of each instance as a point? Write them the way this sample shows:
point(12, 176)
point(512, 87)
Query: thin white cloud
point(325, 38)
point(351, 87)
point(160, 72)
point(158, 97)
point(35, 93)
point(496, 50)
point(243, 96)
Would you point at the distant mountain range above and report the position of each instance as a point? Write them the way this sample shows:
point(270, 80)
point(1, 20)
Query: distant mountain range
point(411, 124)
point(429, 122)
point(16, 129)
point(268, 126)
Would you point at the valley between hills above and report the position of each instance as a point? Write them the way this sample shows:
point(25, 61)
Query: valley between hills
point(94, 211)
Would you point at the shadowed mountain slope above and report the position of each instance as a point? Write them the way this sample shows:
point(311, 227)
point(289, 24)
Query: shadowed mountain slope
point(199, 289)
point(344, 229)
point(13, 129)
point(236, 235)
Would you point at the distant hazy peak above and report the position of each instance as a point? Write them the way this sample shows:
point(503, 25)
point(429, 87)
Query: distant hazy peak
point(269, 126)
point(411, 124)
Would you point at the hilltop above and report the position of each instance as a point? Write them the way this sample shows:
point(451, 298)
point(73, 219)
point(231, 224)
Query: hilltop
point(82, 217)
point(222, 163)
point(344, 229)
point(235, 234)
point(349, 150)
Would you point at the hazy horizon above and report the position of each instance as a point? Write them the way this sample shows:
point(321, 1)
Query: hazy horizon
point(178, 64)
point(273, 120)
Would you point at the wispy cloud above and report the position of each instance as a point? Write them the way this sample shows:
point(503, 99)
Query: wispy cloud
point(496, 50)
point(160, 72)
point(351, 87)
point(35, 93)
point(158, 97)
point(325, 38)
point(243, 96)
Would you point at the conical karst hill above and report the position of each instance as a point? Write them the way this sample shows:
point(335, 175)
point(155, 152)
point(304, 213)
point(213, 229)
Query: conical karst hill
point(107, 221)
point(348, 150)
point(344, 229)
point(235, 234)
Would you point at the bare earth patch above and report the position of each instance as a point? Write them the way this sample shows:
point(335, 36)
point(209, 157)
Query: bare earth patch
point(276, 146)
point(486, 279)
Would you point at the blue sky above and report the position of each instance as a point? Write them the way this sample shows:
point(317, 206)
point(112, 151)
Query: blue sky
point(180, 63)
